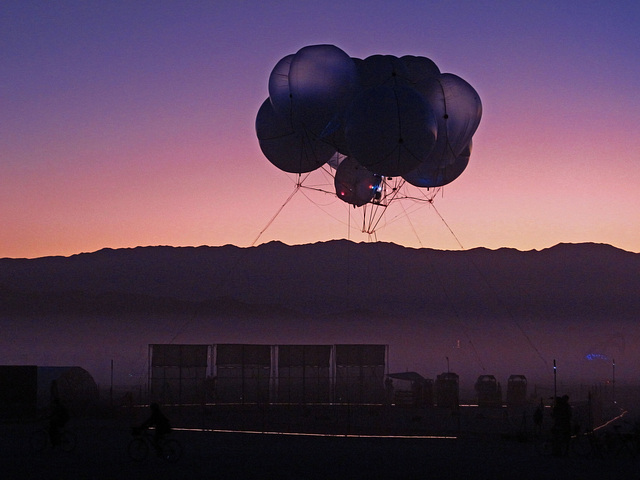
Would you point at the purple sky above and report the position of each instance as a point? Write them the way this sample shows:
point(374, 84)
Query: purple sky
point(132, 123)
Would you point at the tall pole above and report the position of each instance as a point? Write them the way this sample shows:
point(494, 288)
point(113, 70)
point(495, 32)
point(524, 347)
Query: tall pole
point(555, 381)
point(614, 380)
point(111, 386)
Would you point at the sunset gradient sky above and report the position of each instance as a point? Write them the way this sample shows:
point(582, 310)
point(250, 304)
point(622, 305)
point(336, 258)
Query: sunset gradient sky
point(132, 123)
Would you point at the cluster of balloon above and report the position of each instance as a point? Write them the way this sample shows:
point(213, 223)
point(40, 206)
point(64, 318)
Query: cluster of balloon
point(383, 116)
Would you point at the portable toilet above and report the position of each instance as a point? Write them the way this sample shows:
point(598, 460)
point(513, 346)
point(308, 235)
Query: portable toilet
point(488, 391)
point(447, 390)
point(517, 390)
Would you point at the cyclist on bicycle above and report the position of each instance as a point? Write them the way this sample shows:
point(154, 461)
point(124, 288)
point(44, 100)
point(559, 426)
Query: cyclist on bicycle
point(159, 422)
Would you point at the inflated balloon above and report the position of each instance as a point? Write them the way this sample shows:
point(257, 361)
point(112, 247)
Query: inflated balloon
point(291, 150)
point(279, 92)
point(419, 68)
point(355, 184)
point(369, 120)
point(390, 130)
point(458, 110)
point(322, 80)
point(379, 70)
point(430, 175)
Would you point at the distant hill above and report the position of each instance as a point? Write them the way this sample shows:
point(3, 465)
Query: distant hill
point(335, 278)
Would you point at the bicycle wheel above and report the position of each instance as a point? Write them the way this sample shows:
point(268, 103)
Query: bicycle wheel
point(68, 441)
point(138, 449)
point(171, 450)
point(39, 440)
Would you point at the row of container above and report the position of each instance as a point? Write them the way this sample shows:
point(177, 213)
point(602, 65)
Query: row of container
point(414, 390)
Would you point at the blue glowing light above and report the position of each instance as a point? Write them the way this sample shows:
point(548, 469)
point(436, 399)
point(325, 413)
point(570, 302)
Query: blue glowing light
point(596, 356)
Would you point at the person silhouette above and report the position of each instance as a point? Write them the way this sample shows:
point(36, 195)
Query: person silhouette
point(538, 417)
point(161, 424)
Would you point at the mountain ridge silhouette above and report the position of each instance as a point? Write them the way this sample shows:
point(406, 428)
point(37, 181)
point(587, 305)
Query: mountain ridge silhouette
point(325, 279)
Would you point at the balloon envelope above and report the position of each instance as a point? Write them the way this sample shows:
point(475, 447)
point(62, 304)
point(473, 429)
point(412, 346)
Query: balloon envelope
point(458, 111)
point(322, 81)
point(385, 116)
point(379, 70)
point(419, 68)
point(390, 130)
point(279, 92)
point(430, 175)
point(291, 150)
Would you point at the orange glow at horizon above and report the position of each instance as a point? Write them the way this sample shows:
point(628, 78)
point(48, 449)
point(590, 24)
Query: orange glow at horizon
point(151, 141)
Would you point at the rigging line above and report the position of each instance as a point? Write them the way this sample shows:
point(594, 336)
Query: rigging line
point(411, 224)
point(395, 192)
point(446, 224)
point(473, 347)
point(234, 263)
point(368, 216)
point(498, 299)
point(321, 207)
point(448, 297)
point(509, 313)
point(456, 314)
point(295, 190)
point(348, 224)
point(317, 189)
point(225, 277)
point(391, 219)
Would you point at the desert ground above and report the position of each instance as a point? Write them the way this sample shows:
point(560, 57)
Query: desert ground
point(474, 444)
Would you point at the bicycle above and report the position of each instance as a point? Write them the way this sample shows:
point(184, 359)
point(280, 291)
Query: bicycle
point(40, 440)
point(169, 449)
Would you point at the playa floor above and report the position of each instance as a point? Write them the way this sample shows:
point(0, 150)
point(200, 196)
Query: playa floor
point(101, 453)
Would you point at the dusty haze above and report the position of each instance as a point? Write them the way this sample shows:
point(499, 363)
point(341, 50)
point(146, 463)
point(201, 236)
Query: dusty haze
point(480, 311)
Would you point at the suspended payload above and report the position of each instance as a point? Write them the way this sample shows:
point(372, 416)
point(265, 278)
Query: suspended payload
point(355, 184)
point(369, 120)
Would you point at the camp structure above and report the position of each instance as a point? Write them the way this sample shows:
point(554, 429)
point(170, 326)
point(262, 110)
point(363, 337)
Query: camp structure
point(25, 389)
point(410, 389)
point(257, 374)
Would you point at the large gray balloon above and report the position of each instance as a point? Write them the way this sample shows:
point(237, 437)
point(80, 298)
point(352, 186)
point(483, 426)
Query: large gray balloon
point(355, 184)
point(289, 149)
point(379, 70)
point(322, 81)
point(281, 99)
point(458, 111)
point(279, 92)
point(390, 130)
point(419, 68)
point(431, 175)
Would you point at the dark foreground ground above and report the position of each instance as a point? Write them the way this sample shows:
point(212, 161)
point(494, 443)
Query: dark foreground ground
point(477, 447)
